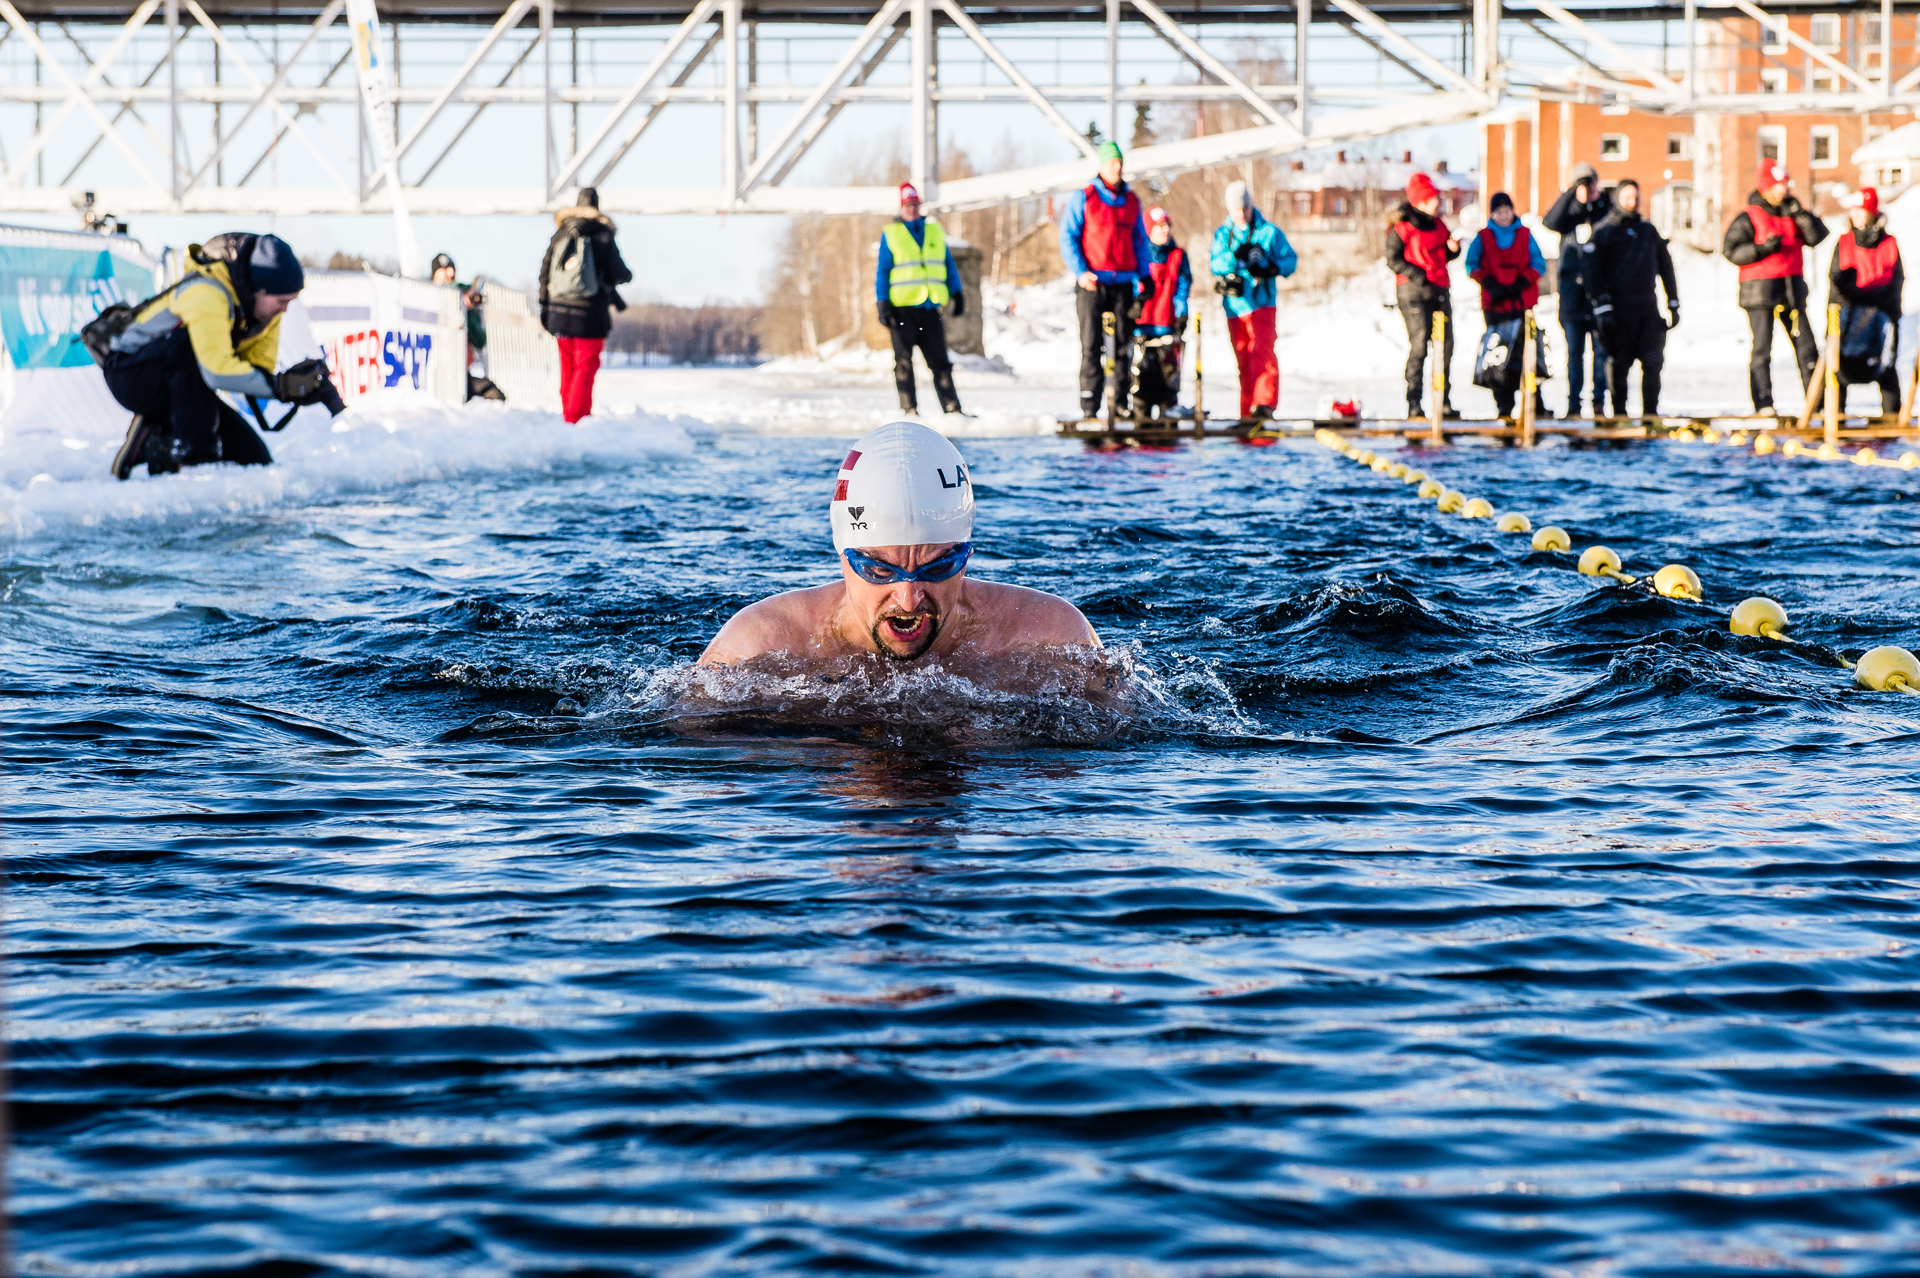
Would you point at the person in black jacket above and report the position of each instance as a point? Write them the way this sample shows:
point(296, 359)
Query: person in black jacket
point(577, 296)
point(1628, 256)
point(1772, 276)
point(1582, 204)
point(1867, 274)
point(1419, 247)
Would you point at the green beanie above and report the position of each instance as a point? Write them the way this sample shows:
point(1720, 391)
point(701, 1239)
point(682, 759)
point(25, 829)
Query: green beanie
point(1109, 151)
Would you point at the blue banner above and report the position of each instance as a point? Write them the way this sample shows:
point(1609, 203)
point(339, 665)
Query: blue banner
point(48, 294)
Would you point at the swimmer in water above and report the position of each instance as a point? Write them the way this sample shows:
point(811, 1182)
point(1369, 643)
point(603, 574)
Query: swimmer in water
point(902, 515)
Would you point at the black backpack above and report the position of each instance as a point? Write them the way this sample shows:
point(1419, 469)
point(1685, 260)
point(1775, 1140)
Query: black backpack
point(231, 247)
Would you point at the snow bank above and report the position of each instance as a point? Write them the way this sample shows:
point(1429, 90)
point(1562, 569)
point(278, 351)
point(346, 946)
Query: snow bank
point(54, 465)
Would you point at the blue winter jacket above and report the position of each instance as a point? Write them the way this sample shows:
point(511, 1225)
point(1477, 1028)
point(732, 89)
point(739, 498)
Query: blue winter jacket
point(1182, 287)
point(1075, 221)
point(1503, 236)
point(1265, 236)
point(883, 266)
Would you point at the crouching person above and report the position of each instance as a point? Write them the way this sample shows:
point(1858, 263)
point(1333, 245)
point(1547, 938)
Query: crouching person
point(218, 329)
point(1867, 278)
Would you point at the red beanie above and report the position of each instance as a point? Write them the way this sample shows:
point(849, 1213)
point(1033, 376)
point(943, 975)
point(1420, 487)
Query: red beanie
point(908, 193)
point(1420, 188)
point(1869, 199)
point(1772, 174)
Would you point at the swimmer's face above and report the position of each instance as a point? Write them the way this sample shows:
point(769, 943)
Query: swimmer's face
point(902, 619)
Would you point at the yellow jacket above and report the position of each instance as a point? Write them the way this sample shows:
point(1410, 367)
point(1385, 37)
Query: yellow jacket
point(235, 353)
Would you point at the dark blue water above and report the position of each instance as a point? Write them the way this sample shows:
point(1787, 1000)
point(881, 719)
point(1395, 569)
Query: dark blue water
point(1425, 908)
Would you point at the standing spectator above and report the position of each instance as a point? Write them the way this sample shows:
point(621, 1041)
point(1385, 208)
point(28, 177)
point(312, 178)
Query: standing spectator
point(1161, 329)
point(479, 386)
point(1572, 217)
point(1507, 264)
point(913, 277)
point(1103, 241)
point(1628, 256)
point(1767, 241)
point(1867, 273)
point(1249, 254)
point(579, 278)
point(1419, 246)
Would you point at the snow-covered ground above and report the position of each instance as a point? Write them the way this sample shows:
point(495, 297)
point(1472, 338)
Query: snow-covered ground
point(57, 436)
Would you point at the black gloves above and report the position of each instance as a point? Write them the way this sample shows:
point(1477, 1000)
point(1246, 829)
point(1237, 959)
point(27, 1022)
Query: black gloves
point(1673, 316)
point(1144, 288)
point(886, 313)
point(303, 383)
point(1603, 319)
point(1769, 246)
point(1791, 205)
point(959, 305)
point(1228, 285)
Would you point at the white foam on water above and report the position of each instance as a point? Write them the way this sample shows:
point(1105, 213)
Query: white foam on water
point(56, 449)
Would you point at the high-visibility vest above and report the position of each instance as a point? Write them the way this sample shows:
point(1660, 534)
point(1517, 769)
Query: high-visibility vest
point(919, 270)
point(1506, 265)
point(1872, 267)
point(1766, 225)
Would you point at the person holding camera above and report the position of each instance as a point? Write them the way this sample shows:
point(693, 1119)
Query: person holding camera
point(218, 329)
point(1419, 246)
point(1249, 254)
point(1768, 241)
point(1574, 216)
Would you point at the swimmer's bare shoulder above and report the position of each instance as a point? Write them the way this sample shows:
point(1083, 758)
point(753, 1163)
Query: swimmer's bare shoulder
point(1008, 616)
point(793, 621)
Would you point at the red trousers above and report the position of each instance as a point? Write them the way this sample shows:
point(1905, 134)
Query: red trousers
point(1252, 337)
point(580, 363)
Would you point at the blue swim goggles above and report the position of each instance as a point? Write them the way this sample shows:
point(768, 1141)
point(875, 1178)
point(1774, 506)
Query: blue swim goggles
point(879, 572)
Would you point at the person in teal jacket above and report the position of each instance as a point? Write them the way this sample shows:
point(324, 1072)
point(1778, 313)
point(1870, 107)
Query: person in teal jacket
point(1249, 255)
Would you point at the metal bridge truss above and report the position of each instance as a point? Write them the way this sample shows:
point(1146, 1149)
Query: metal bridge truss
point(140, 118)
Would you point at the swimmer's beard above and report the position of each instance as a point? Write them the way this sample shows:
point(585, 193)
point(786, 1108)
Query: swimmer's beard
point(931, 612)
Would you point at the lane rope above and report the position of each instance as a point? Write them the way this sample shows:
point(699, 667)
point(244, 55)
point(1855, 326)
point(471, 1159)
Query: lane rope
point(1883, 669)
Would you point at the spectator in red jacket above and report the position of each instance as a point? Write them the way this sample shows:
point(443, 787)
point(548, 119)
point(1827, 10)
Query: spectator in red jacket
point(1419, 246)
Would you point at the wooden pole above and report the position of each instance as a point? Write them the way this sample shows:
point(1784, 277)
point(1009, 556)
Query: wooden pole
point(1529, 381)
point(1199, 383)
point(1108, 364)
point(1436, 351)
point(1906, 405)
point(1833, 373)
point(1806, 410)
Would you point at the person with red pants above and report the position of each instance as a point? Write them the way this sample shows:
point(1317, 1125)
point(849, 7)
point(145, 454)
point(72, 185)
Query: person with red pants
point(579, 279)
point(1508, 265)
point(1867, 275)
point(1249, 254)
point(1419, 246)
point(1103, 242)
point(1767, 241)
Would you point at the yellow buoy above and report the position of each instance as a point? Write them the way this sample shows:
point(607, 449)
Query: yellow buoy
point(1431, 488)
point(1709, 436)
point(1477, 508)
point(1364, 457)
point(1865, 457)
point(1551, 538)
point(1909, 460)
point(1791, 448)
point(1451, 500)
point(1397, 470)
point(1684, 435)
point(1758, 616)
point(1827, 452)
point(1513, 521)
point(1888, 669)
point(1738, 439)
point(1381, 465)
point(1677, 581)
point(1598, 561)
point(1763, 444)
point(1414, 476)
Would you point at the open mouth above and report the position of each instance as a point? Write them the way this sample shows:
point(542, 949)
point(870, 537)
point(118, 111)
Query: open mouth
point(907, 627)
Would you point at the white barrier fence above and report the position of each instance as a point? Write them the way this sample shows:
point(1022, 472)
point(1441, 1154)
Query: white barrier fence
point(523, 359)
point(51, 284)
point(382, 334)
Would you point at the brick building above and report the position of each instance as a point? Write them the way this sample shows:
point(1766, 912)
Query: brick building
point(1697, 169)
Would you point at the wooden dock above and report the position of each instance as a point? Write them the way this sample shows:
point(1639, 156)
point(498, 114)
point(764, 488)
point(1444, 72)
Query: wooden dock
point(1575, 430)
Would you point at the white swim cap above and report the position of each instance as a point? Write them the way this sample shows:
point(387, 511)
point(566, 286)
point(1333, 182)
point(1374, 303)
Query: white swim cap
point(902, 485)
